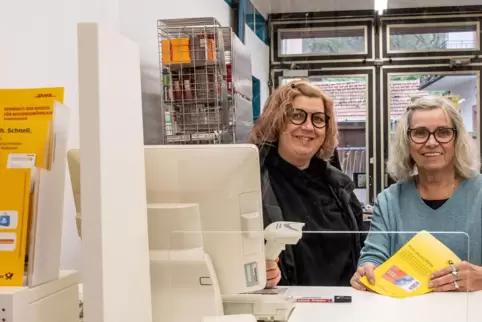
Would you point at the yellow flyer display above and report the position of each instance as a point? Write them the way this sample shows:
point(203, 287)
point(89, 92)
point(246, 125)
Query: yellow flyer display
point(14, 208)
point(25, 143)
point(408, 271)
point(26, 116)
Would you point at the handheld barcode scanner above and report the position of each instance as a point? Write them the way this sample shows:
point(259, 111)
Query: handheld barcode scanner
point(279, 234)
point(269, 304)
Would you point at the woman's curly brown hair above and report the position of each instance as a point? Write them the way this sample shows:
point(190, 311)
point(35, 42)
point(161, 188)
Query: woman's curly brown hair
point(274, 117)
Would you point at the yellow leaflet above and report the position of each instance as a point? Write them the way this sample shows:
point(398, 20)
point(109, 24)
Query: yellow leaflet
point(14, 213)
point(25, 143)
point(25, 115)
point(408, 271)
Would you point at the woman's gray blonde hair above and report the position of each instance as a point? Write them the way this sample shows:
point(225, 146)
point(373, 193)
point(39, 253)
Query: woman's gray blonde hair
point(400, 164)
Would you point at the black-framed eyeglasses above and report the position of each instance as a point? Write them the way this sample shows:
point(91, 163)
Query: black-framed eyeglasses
point(422, 135)
point(298, 117)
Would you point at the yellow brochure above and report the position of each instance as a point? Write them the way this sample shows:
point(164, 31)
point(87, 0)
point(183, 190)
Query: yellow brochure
point(25, 145)
point(26, 137)
point(408, 271)
point(25, 117)
point(25, 97)
point(14, 215)
point(18, 151)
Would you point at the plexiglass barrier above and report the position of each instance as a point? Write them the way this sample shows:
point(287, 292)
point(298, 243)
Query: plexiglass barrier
point(196, 274)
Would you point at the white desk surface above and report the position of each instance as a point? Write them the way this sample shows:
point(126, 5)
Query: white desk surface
point(370, 307)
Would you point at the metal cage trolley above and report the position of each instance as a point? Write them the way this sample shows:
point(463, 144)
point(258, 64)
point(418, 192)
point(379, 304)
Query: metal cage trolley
point(206, 81)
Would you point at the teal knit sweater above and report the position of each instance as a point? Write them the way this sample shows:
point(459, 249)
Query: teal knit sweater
point(400, 213)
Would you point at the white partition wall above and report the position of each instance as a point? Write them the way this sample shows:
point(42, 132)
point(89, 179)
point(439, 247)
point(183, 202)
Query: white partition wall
point(114, 215)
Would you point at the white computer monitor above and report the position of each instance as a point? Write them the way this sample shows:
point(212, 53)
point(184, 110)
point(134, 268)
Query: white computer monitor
point(224, 180)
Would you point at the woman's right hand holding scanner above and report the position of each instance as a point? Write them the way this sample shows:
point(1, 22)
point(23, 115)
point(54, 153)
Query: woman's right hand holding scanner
point(273, 273)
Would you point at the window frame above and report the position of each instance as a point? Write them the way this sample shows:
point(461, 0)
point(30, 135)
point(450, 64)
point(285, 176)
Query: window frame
point(388, 23)
point(277, 29)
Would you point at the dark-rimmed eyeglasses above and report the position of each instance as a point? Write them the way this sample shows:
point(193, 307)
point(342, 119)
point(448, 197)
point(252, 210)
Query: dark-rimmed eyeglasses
point(298, 117)
point(422, 135)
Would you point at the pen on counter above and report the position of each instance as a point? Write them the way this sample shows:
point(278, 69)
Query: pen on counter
point(320, 299)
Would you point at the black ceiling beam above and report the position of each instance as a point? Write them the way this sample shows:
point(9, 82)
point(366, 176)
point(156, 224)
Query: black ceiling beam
point(369, 13)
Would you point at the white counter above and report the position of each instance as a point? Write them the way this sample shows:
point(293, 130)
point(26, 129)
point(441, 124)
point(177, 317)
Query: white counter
point(370, 307)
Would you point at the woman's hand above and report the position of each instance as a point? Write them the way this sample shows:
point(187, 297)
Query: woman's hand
point(457, 277)
point(273, 273)
point(365, 270)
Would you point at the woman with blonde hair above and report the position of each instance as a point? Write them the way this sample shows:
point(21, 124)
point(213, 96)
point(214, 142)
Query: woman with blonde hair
point(439, 189)
point(296, 135)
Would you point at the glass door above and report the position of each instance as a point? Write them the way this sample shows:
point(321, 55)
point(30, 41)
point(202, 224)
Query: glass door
point(401, 85)
point(352, 93)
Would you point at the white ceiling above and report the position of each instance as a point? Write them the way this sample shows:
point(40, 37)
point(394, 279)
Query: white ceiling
point(281, 6)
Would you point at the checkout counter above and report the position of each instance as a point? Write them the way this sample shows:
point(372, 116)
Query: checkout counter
point(371, 307)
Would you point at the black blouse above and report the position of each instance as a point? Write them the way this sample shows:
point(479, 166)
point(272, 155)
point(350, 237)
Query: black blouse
point(322, 258)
